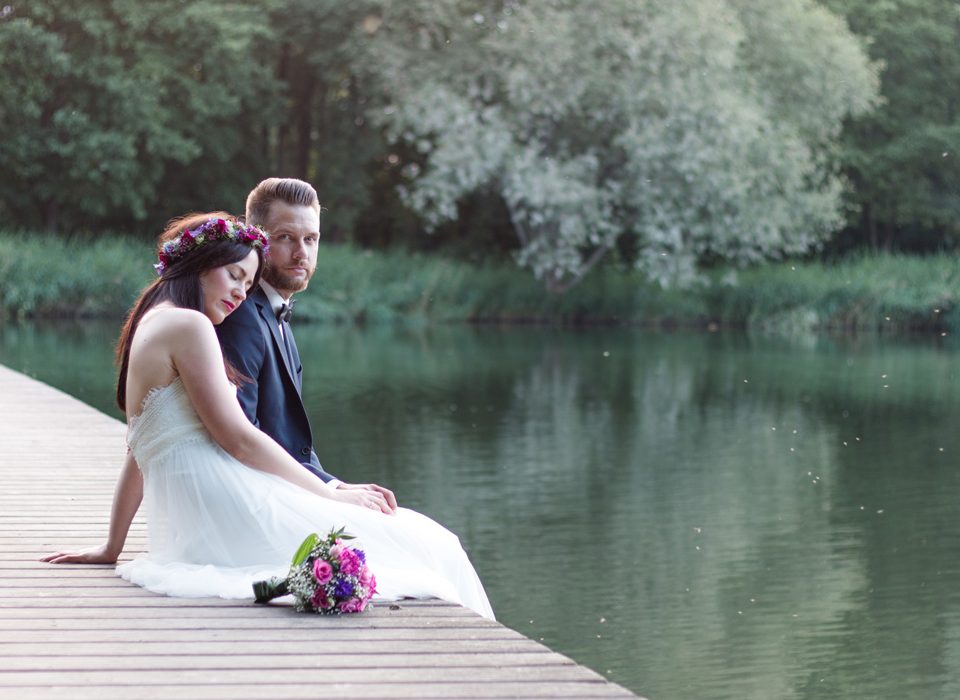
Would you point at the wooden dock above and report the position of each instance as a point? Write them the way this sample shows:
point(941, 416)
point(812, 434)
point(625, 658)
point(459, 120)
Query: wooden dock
point(81, 632)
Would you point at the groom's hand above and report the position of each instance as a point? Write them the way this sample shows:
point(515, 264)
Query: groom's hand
point(389, 501)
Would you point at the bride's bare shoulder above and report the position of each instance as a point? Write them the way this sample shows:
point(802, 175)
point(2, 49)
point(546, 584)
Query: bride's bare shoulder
point(174, 316)
point(174, 322)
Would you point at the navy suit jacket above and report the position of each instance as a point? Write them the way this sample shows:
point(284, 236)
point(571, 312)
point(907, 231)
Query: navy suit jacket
point(251, 341)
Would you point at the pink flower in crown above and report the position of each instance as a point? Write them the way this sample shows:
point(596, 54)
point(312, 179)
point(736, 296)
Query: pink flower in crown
point(349, 562)
point(221, 226)
point(320, 600)
point(352, 605)
point(322, 571)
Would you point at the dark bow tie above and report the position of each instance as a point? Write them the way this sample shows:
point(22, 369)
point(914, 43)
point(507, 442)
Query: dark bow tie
point(285, 311)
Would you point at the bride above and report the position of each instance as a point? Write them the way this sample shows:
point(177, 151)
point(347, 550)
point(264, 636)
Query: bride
point(226, 505)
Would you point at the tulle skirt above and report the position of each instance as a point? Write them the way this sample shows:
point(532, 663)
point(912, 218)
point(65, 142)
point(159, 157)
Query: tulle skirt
point(216, 526)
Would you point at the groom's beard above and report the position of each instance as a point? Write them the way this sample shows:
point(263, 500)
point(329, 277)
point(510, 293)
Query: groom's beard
point(284, 282)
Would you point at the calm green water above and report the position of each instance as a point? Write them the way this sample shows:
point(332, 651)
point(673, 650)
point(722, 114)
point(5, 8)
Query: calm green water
point(692, 515)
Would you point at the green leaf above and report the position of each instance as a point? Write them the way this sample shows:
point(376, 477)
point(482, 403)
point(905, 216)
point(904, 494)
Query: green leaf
point(304, 551)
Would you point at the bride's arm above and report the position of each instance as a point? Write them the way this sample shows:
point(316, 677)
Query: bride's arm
point(126, 501)
point(198, 358)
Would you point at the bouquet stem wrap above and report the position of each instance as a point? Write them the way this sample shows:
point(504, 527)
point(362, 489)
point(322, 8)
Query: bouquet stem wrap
point(265, 591)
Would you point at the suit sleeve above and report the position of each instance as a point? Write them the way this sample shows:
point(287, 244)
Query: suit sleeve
point(244, 346)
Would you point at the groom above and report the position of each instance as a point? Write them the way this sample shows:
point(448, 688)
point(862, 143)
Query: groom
point(257, 338)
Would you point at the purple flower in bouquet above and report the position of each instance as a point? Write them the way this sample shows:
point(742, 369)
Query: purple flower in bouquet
point(343, 589)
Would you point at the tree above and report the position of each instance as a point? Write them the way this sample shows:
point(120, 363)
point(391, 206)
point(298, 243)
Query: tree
point(323, 135)
point(702, 129)
point(903, 157)
point(121, 106)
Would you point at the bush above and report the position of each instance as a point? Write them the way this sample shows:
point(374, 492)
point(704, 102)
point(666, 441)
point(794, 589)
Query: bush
point(47, 276)
point(44, 275)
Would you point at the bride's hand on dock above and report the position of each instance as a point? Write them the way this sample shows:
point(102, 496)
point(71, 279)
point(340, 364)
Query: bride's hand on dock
point(93, 555)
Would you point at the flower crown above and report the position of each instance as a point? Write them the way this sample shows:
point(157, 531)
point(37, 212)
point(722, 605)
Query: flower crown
point(209, 231)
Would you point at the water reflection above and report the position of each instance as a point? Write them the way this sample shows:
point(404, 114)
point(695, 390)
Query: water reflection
point(691, 515)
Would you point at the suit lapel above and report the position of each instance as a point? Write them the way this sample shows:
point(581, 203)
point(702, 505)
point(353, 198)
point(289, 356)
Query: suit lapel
point(266, 315)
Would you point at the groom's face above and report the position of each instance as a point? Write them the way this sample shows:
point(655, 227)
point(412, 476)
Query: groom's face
point(294, 234)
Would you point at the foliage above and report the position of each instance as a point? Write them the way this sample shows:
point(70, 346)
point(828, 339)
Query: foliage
point(903, 157)
point(701, 128)
point(867, 292)
point(100, 278)
point(45, 275)
point(674, 136)
point(118, 102)
point(323, 135)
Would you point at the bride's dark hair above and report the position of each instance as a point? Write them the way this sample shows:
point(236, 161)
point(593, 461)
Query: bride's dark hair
point(179, 284)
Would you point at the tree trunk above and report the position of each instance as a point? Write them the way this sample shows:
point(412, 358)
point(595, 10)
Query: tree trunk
point(280, 152)
point(304, 122)
point(871, 222)
point(563, 285)
point(51, 216)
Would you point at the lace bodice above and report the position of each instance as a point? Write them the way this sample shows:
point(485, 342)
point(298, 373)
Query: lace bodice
point(166, 420)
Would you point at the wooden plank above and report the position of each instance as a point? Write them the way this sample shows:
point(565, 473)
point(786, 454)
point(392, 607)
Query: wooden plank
point(306, 622)
point(329, 659)
point(201, 636)
point(329, 689)
point(376, 614)
point(318, 674)
point(374, 645)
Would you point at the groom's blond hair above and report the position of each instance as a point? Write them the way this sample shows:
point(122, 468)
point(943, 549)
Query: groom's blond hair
point(282, 189)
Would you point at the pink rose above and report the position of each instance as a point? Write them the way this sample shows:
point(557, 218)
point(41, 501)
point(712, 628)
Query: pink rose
point(322, 571)
point(371, 587)
point(320, 600)
point(335, 551)
point(349, 562)
point(352, 605)
point(365, 575)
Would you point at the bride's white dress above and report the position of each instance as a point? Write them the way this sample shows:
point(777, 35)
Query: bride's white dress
point(216, 526)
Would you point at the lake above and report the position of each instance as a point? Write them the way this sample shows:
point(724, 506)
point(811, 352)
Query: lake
point(693, 515)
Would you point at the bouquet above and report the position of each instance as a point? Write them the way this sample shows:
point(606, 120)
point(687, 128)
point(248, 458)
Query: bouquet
point(326, 576)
